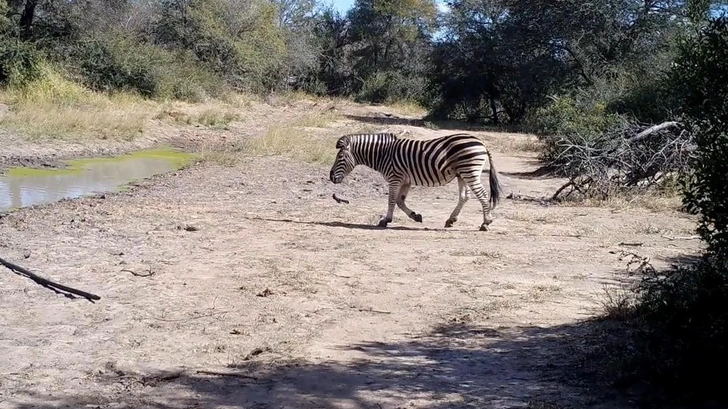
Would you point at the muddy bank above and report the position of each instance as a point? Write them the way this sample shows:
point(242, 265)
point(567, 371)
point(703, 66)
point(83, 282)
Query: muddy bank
point(17, 151)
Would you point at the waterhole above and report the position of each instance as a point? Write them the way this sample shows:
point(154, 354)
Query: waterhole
point(22, 187)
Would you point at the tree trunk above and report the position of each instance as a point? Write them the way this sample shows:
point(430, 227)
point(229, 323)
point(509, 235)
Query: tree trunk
point(26, 18)
point(494, 109)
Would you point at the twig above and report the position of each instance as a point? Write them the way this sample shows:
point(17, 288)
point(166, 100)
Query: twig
point(47, 283)
point(681, 237)
point(135, 274)
point(339, 200)
point(233, 374)
point(212, 314)
point(636, 244)
point(374, 311)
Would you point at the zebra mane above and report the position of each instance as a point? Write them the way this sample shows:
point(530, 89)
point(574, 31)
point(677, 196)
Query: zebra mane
point(347, 139)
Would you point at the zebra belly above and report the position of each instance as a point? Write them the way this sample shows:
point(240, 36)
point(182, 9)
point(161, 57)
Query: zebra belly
point(439, 178)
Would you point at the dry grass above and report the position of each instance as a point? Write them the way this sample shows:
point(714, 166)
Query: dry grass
point(55, 108)
point(318, 120)
point(618, 302)
point(215, 114)
point(290, 98)
point(408, 108)
point(653, 201)
point(477, 253)
point(293, 143)
point(513, 143)
point(228, 156)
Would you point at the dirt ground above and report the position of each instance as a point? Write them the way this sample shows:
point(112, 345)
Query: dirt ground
point(248, 286)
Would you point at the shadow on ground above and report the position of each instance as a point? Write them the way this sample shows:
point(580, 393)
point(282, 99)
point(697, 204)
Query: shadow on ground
point(356, 226)
point(455, 365)
point(385, 119)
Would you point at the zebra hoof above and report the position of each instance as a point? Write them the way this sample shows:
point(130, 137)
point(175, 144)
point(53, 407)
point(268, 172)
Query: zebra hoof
point(450, 222)
point(417, 217)
point(483, 227)
point(383, 223)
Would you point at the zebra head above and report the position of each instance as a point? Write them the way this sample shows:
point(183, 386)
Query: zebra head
point(344, 162)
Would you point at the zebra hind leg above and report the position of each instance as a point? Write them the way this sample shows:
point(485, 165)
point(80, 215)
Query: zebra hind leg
point(391, 201)
point(476, 186)
point(400, 202)
point(463, 197)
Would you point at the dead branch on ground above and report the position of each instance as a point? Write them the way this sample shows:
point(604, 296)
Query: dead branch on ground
point(628, 158)
point(59, 288)
point(339, 200)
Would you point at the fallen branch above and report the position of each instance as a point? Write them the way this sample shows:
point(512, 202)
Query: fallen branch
point(561, 189)
point(339, 200)
point(647, 132)
point(672, 238)
point(628, 158)
point(135, 274)
point(47, 283)
point(232, 374)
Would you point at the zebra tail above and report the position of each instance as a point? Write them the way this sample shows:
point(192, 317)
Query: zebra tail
point(495, 187)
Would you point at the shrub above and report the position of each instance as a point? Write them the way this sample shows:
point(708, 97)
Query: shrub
point(681, 337)
point(568, 121)
point(122, 63)
point(700, 78)
point(390, 87)
point(19, 62)
point(682, 314)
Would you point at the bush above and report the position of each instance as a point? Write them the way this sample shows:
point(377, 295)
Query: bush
point(239, 41)
point(682, 314)
point(19, 62)
point(681, 322)
point(650, 102)
point(118, 62)
point(390, 87)
point(568, 116)
point(701, 80)
point(570, 121)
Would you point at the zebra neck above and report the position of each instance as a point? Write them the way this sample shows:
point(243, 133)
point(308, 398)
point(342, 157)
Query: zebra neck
point(374, 153)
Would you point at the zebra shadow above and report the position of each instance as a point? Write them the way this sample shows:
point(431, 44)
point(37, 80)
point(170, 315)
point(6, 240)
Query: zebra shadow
point(359, 226)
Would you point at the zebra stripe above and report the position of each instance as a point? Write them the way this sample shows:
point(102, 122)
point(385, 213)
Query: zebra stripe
point(410, 162)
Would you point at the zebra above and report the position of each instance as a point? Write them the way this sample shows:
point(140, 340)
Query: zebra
point(408, 162)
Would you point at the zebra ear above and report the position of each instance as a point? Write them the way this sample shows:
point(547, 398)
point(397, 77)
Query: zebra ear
point(342, 143)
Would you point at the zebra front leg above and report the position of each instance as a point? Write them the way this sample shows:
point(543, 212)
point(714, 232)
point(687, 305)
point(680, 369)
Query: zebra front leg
point(463, 197)
point(476, 186)
point(392, 200)
point(400, 202)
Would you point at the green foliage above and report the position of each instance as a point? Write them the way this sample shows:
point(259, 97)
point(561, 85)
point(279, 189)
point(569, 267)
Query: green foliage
point(390, 45)
point(19, 62)
point(681, 316)
point(571, 121)
point(240, 41)
point(118, 62)
point(391, 86)
point(681, 338)
point(701, 80)
point(569, 116)
point(4, 20)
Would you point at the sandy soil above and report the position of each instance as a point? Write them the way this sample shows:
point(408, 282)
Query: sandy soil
point(266, 293)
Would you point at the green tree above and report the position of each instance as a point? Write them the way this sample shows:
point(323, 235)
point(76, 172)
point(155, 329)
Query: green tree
point(391, 44)
point(701, 79)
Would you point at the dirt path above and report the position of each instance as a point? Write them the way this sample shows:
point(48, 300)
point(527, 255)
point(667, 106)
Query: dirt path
point(266, 293)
